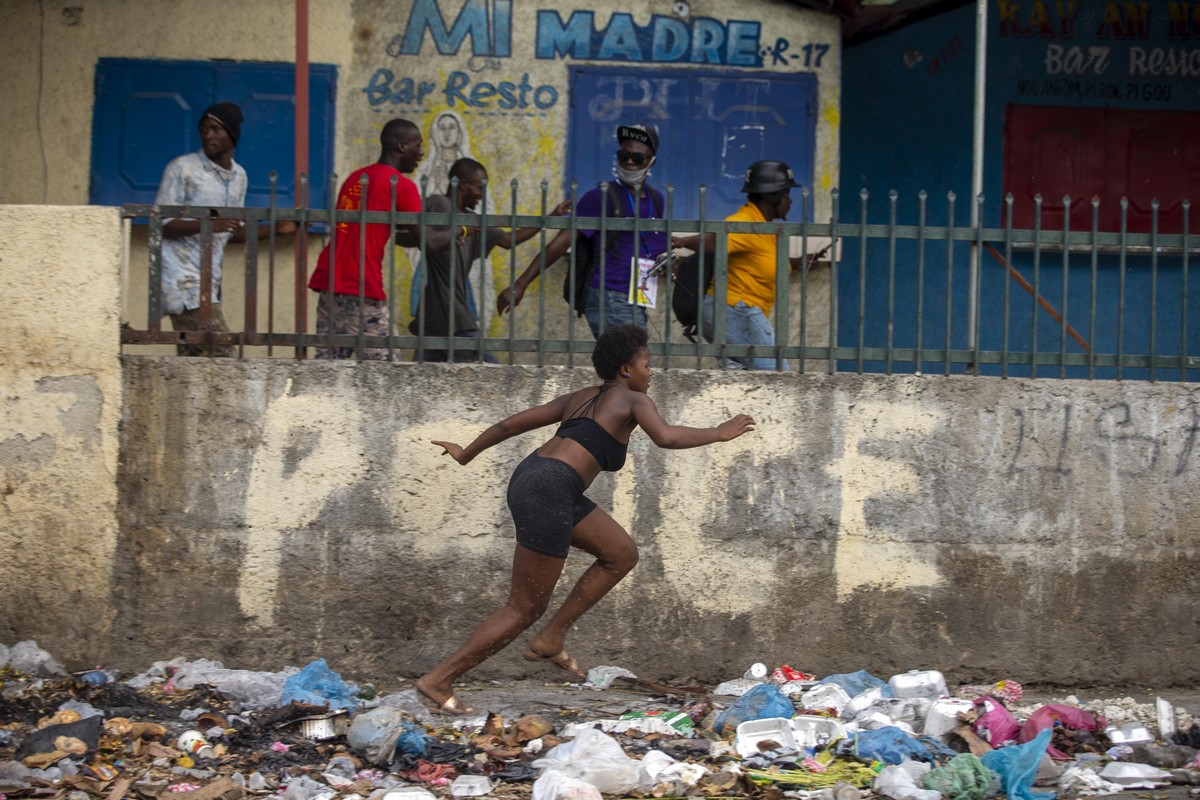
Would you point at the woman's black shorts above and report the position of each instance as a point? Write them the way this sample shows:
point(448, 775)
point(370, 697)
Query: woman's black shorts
point(546, 499)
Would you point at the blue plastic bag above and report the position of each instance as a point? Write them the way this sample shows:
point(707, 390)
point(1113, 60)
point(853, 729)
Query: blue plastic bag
point(1017, 766)
point(891, 745)
point(318, 685)
point(855, 683)
point(412, 741)
point(383, 732)
point(762, 702)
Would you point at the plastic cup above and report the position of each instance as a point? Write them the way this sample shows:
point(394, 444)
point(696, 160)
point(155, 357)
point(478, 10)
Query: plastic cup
point(194, 744)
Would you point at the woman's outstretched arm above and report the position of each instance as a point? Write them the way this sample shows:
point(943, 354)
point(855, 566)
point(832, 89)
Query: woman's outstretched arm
point(678, 437)
point(521, 422)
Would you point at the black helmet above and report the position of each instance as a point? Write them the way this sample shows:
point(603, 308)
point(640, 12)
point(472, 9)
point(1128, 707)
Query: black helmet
point(765, 177)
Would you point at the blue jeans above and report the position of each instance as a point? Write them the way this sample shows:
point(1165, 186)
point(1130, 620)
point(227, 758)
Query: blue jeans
point(617, 310)
point(744, 324)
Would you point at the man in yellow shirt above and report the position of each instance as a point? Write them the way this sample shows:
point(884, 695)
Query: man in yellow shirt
point(752, 264)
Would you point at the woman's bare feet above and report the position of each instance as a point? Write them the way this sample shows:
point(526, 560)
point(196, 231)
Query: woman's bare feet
point(442, 699)
point(561, 659)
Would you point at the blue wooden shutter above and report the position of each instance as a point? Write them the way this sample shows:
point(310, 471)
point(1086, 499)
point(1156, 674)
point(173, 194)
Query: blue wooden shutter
point(147, 112)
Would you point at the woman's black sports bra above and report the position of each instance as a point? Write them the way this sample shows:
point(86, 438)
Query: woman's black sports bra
point(608, 452)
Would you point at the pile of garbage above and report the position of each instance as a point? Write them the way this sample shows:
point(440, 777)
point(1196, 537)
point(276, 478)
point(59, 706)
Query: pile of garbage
point(195, 730)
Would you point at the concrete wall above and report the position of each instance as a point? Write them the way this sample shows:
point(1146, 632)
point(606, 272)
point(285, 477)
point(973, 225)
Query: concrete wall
point(60, 404)
point(1036, 530)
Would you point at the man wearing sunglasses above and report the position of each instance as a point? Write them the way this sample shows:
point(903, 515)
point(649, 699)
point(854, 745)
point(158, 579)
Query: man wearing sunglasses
point(607, 299)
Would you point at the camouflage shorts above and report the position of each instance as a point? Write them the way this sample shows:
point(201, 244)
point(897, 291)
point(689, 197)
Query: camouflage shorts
point(189, 320)
point(346, 311)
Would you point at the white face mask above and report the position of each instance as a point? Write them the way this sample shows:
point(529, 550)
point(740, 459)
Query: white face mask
point(634, 178)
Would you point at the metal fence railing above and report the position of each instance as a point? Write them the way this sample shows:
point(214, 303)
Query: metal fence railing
point(897, 293)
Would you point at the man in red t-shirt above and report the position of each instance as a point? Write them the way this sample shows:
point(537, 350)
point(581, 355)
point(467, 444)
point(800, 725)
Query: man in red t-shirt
point(345, 306)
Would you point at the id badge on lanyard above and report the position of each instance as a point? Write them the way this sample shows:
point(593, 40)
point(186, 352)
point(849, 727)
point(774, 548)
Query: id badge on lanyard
point(643, 283)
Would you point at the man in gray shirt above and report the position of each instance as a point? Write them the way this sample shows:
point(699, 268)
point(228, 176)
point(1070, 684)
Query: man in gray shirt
point(447, 310)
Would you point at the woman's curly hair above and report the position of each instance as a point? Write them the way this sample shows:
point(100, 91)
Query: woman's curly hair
point(616, 346)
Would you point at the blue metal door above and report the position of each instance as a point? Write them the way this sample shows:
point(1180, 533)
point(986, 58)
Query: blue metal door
point(712, 126)
point(147, 113)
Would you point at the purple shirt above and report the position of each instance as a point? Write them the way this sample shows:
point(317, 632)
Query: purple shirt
point(616, 261)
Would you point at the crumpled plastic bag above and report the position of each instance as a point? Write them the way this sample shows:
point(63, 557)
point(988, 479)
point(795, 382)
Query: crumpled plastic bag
point(558, 785)
point(409, 701)
point(1070, 716)
point(855, 683)
point(891, 745)
point(253, 690)
point(1077, 782)
point(1018, 765)
point(903, 782)
point(602, 677)
point(303, 787)
point(963, 777)
point(316, 684)
point(657, 767)
point(593, 757)
point(380, 732)
point(762, 702)
point(27, 657)
point(995, 724)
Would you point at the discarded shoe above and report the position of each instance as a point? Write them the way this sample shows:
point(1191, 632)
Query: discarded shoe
point(562, 659)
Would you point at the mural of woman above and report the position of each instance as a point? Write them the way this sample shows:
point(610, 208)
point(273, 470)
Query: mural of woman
point(448, 135)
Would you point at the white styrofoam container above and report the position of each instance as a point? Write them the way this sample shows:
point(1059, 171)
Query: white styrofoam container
point(409, 793)
point(792, 734)
point(826, 695)
point(943, 715)
point(471, 786)
point(811, 731)
point(918, 683)
point(862, 701)
point(753, 731)
point(1132, 733)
